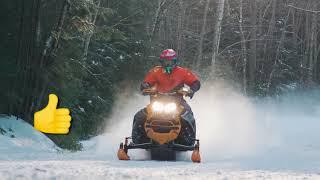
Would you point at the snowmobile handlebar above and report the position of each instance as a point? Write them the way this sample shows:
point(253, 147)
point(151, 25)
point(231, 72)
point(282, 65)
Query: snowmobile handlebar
point(184, 91)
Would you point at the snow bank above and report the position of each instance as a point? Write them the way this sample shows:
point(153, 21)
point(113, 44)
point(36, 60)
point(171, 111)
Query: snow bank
point(20, 139)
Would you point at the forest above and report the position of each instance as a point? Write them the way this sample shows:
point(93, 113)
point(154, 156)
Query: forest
point(85, 51)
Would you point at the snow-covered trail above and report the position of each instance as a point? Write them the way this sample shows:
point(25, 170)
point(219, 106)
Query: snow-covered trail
point(241, 138)
point(76, 169)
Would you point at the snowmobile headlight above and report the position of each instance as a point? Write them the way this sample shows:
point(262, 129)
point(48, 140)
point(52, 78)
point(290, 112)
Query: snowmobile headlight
point(171, 107)
point(157, 107)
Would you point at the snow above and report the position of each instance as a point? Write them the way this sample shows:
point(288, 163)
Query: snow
point(134, 170)
point(241, 138)
point(20, 139)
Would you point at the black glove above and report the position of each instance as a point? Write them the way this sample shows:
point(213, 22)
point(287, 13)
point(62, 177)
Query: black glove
point(144, 85)
point(195, 86)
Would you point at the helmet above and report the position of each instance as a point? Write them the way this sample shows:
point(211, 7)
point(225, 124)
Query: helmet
point(168, 59)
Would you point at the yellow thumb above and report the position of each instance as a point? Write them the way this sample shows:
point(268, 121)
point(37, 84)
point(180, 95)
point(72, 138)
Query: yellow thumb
point(53, 102)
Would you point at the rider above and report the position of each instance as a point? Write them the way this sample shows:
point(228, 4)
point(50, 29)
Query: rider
point(167, 78)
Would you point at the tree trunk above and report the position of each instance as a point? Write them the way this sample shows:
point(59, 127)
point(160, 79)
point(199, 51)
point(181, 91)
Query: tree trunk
point(307, 48)
point(253, 47)
point(313, 55)
point(202, 33)
point(278, 53)
point(155, 26)
point(13, 108)
point(28, 56)
point(50, 49)
point(268, 48)
point(271, 29)
point(243, 48)
point(88, 38)
point(53, 40)
point(180, 26)
point(228, 9)
point(217, 32)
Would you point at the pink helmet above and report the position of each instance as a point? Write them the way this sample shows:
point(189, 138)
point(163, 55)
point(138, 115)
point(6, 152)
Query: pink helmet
point(168, 60)
point(168, 54)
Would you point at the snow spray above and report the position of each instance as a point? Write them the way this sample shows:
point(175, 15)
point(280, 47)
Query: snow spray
point(229, 124)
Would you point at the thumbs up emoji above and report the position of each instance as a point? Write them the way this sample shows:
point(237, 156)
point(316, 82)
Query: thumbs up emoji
point(52, 120)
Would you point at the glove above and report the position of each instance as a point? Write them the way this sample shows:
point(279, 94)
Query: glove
point(195, 86)
point(144, 85)
point(190, 94)
point(147, 89)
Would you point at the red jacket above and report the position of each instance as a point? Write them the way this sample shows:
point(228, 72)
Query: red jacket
point(165, 82)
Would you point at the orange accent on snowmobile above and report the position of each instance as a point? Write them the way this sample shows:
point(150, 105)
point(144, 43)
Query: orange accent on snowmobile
point(122, 154)
point(195, 157)
point(173, 126)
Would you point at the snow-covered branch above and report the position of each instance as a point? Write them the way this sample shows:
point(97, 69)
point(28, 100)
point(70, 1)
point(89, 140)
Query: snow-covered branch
point(307, 10)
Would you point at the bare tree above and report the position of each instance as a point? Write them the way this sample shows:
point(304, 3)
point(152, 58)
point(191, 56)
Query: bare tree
point(202, 33)
point(217, 31)
point(161, 6)
point(181, 15)
point(277, 59)
point(313, 51)
point(253, 46)
point(243, 48)
point(90, 33)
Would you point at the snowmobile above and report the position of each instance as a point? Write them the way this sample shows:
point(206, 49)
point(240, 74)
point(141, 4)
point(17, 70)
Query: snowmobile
point(163, 125)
